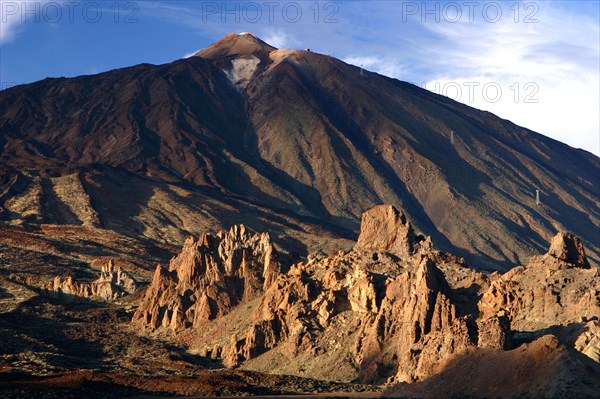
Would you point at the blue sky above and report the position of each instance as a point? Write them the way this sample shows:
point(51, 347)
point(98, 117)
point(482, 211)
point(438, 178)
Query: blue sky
point(536, 63)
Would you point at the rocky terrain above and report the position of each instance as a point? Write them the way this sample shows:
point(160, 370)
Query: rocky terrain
point(208, 278)
point(214, 226)
point(113, 283)
point(391, 310)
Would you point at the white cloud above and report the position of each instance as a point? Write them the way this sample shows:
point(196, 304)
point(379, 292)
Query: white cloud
point(188, 55)
point(13, 19)
point(278, 38)
point(558, 55)
point(380, 65)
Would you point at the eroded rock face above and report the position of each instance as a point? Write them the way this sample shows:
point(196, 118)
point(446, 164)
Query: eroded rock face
point(568, 248)
point(113, 283)
point(588, 340)
point(403, 321)
point(557, 288)
point(417, 325)
point(210, 276)
point(385, 229)
point(543, 368)
point(392, 309)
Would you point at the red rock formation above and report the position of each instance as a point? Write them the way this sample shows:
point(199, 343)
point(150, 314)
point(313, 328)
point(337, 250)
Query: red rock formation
point(385, 229)
point(543, 368)
point(568, 248)
point(113, 283)
point(418, 326)
point(557, 288)
point(208, 278)
point(404, 317)
point(392, 309)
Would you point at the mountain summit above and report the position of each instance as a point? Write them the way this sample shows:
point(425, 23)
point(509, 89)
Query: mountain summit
point(239, 56)
point(287, 141)
point(236, 45)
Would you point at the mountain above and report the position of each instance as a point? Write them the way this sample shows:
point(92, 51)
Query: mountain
point(287, 141)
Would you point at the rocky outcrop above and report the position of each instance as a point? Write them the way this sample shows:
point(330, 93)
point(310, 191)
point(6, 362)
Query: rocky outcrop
point(391, 309)
point(494, 332)
point(557, 288)
point(113, 283)
point(543, 368)
point(568, 248)
point(416, 326)
point(210, 276)
point(398, 301)
point(588, 340)
point(385, 229)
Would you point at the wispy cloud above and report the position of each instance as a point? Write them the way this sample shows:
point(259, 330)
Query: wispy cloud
point(191, 54)
point(278, 38)
point(559, 53)
point(547, 70)
point(384, 66)
point(557, 57)
point(13, 19)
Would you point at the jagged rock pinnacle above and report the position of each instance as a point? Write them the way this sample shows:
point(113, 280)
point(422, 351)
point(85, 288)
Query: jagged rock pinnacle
point(567, 247)
point(386, 229)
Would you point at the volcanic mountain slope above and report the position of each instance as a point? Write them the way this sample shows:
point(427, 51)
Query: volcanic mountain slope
point(292, 142)
point(393, 309)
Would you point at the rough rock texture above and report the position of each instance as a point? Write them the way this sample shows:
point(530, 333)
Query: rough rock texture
point(402, 320)
point(392, 309)
point(569, 249)
point(211, 275)
point(494, 332)
point(557, 288)
point(113, 283)
point(541, 369)
point(588, 340)
point(417, 325)
point(385, 229)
